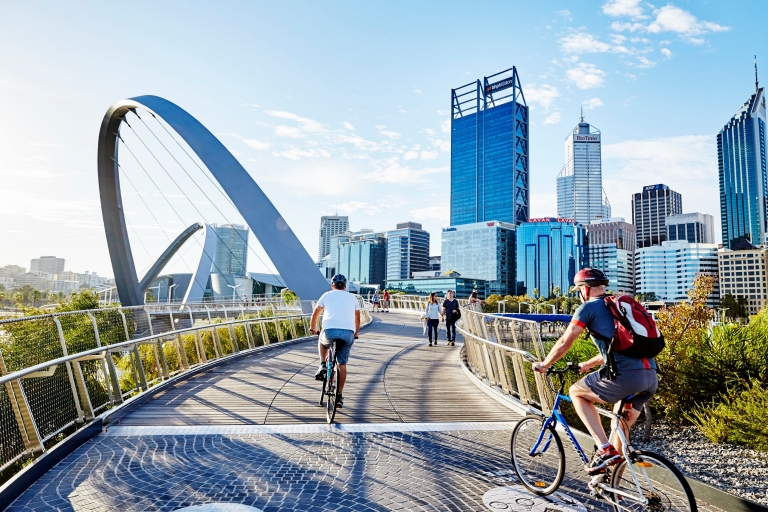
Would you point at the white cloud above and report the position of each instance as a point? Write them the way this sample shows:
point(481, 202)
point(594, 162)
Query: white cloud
point(445, 126)
point(644, 63)
point(565, 13)
point(418, 91)
point(387, 133)
point(293, 132)
point(411, 155)
point(666, 52)
point(593, 103)
point(256, 144)
point(583, 42)
point(675, 20)
point(585, 76)
point(439, 212)
point(429, 155)
point(306, 124)
point(429, 131)
point(553, 118)
point(630, 8)
point(543, 95)
point(298, 154)
point(353, 206)
point(393, 172)
point(443, 145)
point(348, 126)
point(617, 38)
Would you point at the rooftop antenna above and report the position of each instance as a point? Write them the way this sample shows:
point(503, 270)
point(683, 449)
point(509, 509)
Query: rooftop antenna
point(756, 87)
point(582, 108)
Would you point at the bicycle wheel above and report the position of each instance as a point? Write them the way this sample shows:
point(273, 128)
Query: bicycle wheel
point(330, 406)
point(542, 472)
point(663, 485)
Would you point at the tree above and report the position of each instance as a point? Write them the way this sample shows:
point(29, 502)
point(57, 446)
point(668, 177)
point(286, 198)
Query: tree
point(36, 295)
point(646, 297)
point(736, 307)
point(18, 297)
point(535, 293)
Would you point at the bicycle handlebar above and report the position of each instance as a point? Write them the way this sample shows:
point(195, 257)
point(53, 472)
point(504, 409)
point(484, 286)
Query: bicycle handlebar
point(570, 367)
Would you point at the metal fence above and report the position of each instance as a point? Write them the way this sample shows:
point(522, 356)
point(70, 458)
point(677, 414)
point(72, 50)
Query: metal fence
point(60, 371)
point(499, 351)
point(415, 302)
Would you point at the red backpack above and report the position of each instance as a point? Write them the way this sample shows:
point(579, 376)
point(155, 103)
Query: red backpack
point(636, 332)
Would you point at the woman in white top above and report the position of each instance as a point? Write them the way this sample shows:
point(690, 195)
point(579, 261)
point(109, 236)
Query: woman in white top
point(432, 316)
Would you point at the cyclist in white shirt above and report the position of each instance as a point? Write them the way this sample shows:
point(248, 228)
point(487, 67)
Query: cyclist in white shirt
point(341, 322)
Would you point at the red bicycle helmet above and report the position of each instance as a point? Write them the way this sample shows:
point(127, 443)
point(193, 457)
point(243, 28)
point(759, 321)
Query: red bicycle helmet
point(590, 277)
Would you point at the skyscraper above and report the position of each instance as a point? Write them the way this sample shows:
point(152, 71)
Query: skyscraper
point(407, 251)
point(489, 151)
point(364, 258)
point(580, 193)
point(697, 228)
point(611, 245)
point(650, 208)
point(330, 225)
point(231, 254)
point(47, 264)
point(742, 169)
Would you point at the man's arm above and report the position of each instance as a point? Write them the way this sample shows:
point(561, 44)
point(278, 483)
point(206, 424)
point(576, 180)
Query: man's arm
point(588, 365)
point(357, 322)
point(315, 315)
point(561, 347)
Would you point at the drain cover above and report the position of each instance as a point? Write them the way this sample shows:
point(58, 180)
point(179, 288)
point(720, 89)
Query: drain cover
point(219, 507)
point(517, 498)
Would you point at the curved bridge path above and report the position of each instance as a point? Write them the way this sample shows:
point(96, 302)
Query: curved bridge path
point(415, 434)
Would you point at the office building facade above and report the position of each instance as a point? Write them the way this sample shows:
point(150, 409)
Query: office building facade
point(47, 264)
point(407, 251)
point(650, 208)
point(580, 193)
point(696, 228)
point(230, 257)
point(549, 253)
point(668, 270)
point(461, 286)
point(618, 265)
point(741, 155)
point(613, 231)
point(330, 225)
point(483, 250)
point(489, 151)
point(742, 274)
point(363, 258)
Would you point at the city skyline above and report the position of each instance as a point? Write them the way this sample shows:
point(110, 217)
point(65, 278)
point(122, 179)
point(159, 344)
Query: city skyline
point(342, 139)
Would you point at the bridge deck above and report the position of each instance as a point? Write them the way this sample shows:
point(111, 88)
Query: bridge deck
point(415, 434)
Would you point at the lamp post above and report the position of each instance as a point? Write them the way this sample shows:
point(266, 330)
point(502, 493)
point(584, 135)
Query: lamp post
point(152, 288)
point(498, 306)
point(234, 291)
point(170, 292)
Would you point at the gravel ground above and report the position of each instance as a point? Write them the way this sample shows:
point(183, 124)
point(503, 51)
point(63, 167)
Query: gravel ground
point(732, 468)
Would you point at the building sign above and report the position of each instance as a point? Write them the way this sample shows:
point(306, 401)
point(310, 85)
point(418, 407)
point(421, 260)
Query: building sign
point(586, 138)
point(445, 230)
point(490, 224)
point(553, 219)
point(653, 187)
point(500, 85)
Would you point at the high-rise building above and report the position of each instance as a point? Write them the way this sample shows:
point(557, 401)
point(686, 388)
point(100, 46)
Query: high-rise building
point(407, 251)
point(668, 270)
point(549, 253)
point(617, 264)
point(742, 169)
point(613, 231)
point(435, 263)
point(742, 274)
point(330, 225)
point(47, 264)
point(697, 228)
point(483, 250)
point(231, 254)
point(580, 193)
point(650, 208)
point(364, 258)
point(489, 151)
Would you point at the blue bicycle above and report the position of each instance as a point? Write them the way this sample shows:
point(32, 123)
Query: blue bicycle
point(641, 481)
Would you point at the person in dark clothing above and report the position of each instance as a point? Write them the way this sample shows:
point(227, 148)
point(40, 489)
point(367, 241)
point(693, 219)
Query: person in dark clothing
point(451, 312)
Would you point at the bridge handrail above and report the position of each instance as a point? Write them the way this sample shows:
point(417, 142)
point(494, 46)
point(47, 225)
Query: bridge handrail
point(498, 351)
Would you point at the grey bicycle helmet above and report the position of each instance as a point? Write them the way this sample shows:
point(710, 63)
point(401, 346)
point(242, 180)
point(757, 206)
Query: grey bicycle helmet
point(339, 280)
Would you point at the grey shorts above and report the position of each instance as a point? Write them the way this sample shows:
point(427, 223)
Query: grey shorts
point(641, 383)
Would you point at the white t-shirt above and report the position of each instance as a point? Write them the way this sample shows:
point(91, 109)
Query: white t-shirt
point(339, 308)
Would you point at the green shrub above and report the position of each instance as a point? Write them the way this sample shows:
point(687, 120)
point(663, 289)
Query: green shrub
point(742, 418)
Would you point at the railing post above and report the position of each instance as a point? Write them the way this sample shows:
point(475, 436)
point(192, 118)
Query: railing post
point(160, 355)
point(264, 333)
point(278, 330)
point(183, 363)
point(30, 435)
point(76, 381)
point(108, 368)
point(293, 327)
point(135, 356)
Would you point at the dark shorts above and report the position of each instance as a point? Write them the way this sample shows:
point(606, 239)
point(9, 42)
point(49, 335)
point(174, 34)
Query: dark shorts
point(344, 340)
point(628, 382)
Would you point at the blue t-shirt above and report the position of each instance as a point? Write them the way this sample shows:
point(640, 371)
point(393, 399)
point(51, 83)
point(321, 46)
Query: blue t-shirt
point(595, 316)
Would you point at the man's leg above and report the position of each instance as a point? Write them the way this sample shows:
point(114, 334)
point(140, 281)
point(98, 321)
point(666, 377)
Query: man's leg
point(625, 426)
point(583, 401)
point(342, 377)
point(323, 351)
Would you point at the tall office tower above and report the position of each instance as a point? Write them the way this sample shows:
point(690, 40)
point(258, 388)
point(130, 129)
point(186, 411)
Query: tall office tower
point(330, 225)
point(407, 251)
point(549, 253)
point(650, 208)
point(47, 264)
point(484, 250)
point(611, 246)
point(364, 258)
point(613, 231)
point(231, 254)
point(580, 193)
point(742, 168)
point(697, 228)
point(489, 151)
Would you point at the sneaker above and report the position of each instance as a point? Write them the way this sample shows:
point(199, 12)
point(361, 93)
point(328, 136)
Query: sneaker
point(602, 460)
point(339, 402)
point(320, 373)
point(430, 343)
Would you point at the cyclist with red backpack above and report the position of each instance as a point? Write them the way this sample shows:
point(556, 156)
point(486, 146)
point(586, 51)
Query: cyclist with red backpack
point(627, 340)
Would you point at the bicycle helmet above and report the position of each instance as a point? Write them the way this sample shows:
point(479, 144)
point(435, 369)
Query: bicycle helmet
point(590, 277)
point(339, 281)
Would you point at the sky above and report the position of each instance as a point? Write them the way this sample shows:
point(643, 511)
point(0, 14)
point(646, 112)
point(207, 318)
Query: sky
point(344, 107)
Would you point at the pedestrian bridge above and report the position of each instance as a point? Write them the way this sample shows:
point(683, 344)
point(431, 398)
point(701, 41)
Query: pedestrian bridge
point(226, 417)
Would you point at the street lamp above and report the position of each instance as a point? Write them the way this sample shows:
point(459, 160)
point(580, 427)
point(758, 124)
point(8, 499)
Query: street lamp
point(170, 292)
point(152, 288)
point(498, 306)
point(234, 291)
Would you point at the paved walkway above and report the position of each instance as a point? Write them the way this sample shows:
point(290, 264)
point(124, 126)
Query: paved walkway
point(415, 434)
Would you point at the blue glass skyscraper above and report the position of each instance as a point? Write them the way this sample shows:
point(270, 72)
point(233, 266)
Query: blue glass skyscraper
point(742, 168)
point(489, 151)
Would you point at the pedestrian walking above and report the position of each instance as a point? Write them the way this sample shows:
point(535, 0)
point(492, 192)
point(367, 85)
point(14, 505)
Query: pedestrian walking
point(452, 313)
point(376, 304)
point(386, 301)
point(432, 316)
